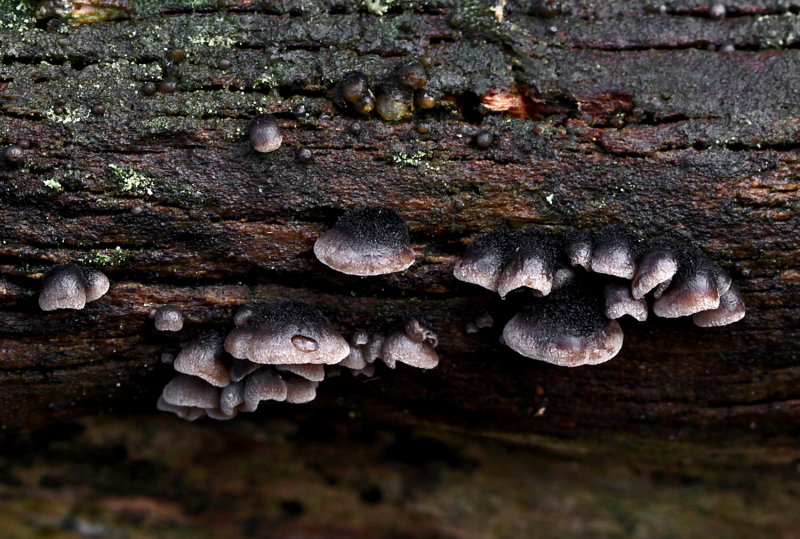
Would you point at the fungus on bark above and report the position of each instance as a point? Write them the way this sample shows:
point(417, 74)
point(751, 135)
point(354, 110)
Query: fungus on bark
point(167, 318)
point(70, 286)
point(203, 357)
point(532, 264)
point(265, 135)
point(614, 252)
point(371, 240)
point(730, 310)
point(483, 260)
point(619, 302)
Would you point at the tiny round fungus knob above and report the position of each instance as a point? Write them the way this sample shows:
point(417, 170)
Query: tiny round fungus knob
point(717, 11)
point(374, 348)
point(484, 258)
point(531, 265)
point(426, 99)
point(365, 105)
point(620, 302)
point(393, 102)
point(614, 252)
point(300, 390)
point(70, 286)
point(231, 399)
point(262, 386)
point(411, 75)
point(656, 266)
point(578, 248)
point(418, 332)
point(185, 390)
point(265, 135)
point(398, 347)
point(731, 309)
point(366, 241)
point(315, 373)
point(14, 154)
point(269, 336)
point(484, 139)
point(203, 357)
point(567, 328)
point(355, 86)
point(168, 318)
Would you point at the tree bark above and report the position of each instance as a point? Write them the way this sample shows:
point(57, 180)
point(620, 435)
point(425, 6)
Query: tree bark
point(622, 115)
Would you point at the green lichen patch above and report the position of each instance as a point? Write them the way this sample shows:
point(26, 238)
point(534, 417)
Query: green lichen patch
point(130, 180)
point(105, 257)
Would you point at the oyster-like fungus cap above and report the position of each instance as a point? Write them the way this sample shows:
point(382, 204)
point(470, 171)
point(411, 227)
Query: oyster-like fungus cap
point(287, 333)
point(372, 240)
point(730, 310)
point(70, 286)
point(373, 349)
point(657, 265)
point(300, 390)
point(314, 373)
point(231, 399)
point(696, 286)
point(190, 413)
point(620, 302)
point(168, 318)
point(577, 245)
point(419, 332)
point(203, 357)
point(262, 386)
point(265, 135)
point(399, 347)
point(185, 390)
point(355, 359)
point(241, 368)
point(567, 328)
point(531, 265)
point(483, 260)
point(614, 252)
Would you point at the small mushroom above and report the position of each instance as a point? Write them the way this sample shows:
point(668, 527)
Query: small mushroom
point(483, 260)
point(393, 102)
point(314, 373)
point(300, 390)
point(399, 347)
point(371, 240)
point(731, 309)
point(190, 413)
point(614, 252)
point(203, 357)
point(657, 265)
point(185, 390)
point(265, 135)
point(261, 386)
point(70, 286)
point(532, 264)
point(697, 286)
point(567, 328)
point(287, 333)
point(578, 248)
point(167, 318)
point(620, 302)
point(231, 399)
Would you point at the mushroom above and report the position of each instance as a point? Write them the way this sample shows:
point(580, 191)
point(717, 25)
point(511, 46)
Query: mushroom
point(231, 399)
point(577, 245)
point(265, 135)
point(656, 266)
point(167, 318)
point(400, 347)
point(371, 240)
point(619, 302)
point(286, 333)
point(614, 252)
point(261, 386)
point(531, 265)
point(696, 286)
point(241, 368)
point(203, 357)
point(314, 373)
point(300, 390)
point(567, 328)
point(730, 310)
point(70, 286)
point(483, 260)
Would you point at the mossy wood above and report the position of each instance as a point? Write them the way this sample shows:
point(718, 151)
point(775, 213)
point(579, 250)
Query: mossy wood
point(622, 115)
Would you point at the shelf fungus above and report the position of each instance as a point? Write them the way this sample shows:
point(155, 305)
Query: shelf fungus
point(70, 286)
point(371, 240)
point(578, 284)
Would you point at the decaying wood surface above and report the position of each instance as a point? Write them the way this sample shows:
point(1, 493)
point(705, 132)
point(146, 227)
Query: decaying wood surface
point(625, 115)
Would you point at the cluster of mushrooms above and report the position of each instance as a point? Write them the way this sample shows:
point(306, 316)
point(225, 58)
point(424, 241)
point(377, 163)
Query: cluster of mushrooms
point(576, 286)
point(394, 98)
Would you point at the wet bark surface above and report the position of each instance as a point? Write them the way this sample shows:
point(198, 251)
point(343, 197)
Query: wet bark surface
point(662, 120)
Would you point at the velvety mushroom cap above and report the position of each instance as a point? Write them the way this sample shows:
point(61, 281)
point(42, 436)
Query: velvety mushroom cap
point(695, 287)
point(203, 357)
point(70, 286)
point(355, 360)
point(372, 350)
point(366, 241)
point(168, 318)
point(300, 390)
point(262, 386)
point(731, 309)
point(398, 347)
point(240, 368)
point(531, 265)
point(578, 248)
point(614, 252)
point(620, 302)
point(190, 413)
point(483, 260)
point(185, 390)
point(567, 328)
point(656, 266)
point(231, 399)
point(314, 373)
point(265, 135)
point(287, 333)
point(419, 332)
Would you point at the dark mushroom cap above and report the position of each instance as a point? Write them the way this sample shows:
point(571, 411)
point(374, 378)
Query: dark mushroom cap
point(731, 309)
point(288, 333)
point(531, 265)
point(185, 390)
point(354, 86)
point(366, 241)
point(203, 357)
point(411, 75)
point(657, 265)
point(567, 328)
point(70, 286)
point(300, 390)
point(262, 386)
point(231, 399)
point(620, 302)
point(168, 318)
point(697, 286)
point(483, 260)
point(265, 135)
point(399, 347)
point(577, 245)
point(614, 252)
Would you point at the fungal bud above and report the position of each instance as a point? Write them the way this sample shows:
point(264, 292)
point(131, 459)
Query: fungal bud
point(300, 390)
point(567, 328)
point(70, 286)
point(287, 333)
point(366, 241)
point(262, 386)
point(531, 265)
point(425, 99)
point(265, 135)
point(203, 357)
point(417, 332)
point(184, 390)
point(483, 260)
point(14, 154)
point(484, 139)
point(614, 252)
point(730, 310)
point(355, 86)
point(365, 105)
point(620, 302)
point(578, 248)
point(168, 318)
point(393, 102)
point(399, 347)
point(411, 75)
